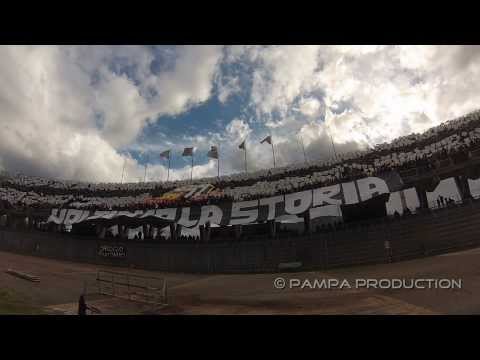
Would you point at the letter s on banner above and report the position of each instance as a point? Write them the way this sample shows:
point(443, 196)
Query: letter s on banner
point(248, 216)
point(271, 202)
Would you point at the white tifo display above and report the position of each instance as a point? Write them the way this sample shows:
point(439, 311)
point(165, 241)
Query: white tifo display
point(324, 201)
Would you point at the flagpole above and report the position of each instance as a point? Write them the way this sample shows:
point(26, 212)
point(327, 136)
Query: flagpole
point(145, 175)
point(168, 171)
point(327, 127)
point(273, 152)
point(191, 173)
point(303, 148)
point(245, 148)
point(333, 145)
point(218, 161)
point(123, 171)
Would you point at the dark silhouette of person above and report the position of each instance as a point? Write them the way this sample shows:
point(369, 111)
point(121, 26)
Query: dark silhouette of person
point(82, 306)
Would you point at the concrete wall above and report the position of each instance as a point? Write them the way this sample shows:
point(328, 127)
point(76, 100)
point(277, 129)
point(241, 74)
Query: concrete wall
point(420, 235)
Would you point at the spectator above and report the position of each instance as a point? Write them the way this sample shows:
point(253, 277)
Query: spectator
point(83, 307)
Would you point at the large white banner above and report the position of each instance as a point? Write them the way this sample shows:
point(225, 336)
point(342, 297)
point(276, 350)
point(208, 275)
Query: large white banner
point(324, 201)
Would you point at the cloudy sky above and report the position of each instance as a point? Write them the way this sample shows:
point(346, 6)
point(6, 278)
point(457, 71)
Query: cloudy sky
point(80, 112)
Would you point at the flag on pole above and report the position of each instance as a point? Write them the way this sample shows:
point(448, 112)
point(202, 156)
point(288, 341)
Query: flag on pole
point(328, 116)
point(213, 153)
point(146, 158)
point(242, 147)
point(267, 139)
point(123, 170)
point(165, 154)
point(188, 151)
point(303, 147)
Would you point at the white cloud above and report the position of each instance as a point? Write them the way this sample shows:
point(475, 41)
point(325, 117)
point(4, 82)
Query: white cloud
point(389, 83)
point(68, 111)
point(238, 130)
point(282, 74)
point(383, 91)
point(229, 87)
point(310, 107)
point(123, 110)
point(190, 83)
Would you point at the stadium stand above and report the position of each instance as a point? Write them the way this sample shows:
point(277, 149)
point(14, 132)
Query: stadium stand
point(452, 142)
point(426, 163)
point(417, 235)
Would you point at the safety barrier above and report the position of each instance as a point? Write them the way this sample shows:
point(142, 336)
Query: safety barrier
point(414, 236)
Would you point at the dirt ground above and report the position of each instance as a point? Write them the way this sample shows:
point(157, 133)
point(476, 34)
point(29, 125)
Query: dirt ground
point(61, 283)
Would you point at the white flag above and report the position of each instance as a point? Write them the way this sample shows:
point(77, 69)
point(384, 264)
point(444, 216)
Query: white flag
point(213, 153)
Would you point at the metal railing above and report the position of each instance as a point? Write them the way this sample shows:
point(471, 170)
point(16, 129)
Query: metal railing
point(133, 287)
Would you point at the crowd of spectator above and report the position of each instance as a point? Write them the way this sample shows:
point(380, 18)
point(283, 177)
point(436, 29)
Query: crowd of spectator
point(453, 140)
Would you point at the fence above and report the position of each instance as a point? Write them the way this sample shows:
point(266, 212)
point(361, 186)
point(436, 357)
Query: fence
point(426, 233)
point(145, 289)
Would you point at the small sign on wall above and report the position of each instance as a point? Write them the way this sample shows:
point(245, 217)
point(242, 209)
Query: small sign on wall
point(110, 251)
